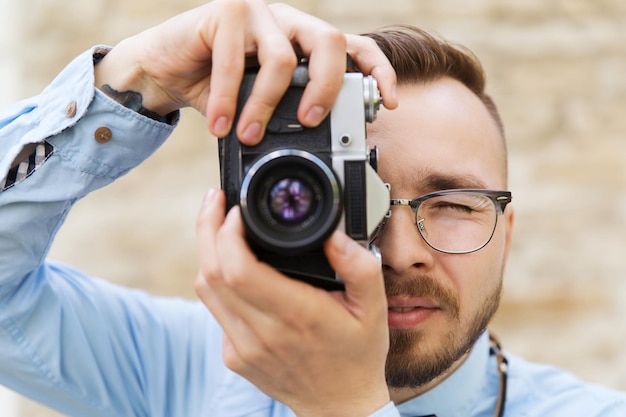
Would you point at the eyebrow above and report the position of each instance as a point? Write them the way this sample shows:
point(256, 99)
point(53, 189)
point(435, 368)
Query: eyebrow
point(438, 181)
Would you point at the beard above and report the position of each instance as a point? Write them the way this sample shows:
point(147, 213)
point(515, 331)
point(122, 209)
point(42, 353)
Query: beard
point(410, 363)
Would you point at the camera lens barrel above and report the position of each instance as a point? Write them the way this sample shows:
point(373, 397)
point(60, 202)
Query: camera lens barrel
point(290, 201)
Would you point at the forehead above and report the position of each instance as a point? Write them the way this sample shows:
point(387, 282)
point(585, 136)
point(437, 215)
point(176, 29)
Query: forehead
point(440, 136)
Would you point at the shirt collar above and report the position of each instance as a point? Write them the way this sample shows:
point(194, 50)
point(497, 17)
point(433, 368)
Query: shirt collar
point(456, 395)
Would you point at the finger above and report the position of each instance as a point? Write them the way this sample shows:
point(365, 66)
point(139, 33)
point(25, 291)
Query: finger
point(232, 282)
point(209, 284)
point(228, 58)
point(210, 219)
point(260, 284)
point(230, 355)
point(277, 60)
point(228, 309)
point(361, 272)
point(326, 48)
point(327, 66)
point(248, 358)
point(370, 60)
point(257, 317)
point(266, 310)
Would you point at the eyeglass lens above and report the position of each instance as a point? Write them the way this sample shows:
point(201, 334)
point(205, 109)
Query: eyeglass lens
point(457, 223)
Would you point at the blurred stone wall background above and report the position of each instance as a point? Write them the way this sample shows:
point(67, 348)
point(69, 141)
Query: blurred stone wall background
point(558, 71)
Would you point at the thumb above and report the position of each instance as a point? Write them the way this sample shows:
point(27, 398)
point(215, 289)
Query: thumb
point(359, 269)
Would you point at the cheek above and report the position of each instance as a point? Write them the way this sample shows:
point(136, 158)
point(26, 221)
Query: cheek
point(475, 277)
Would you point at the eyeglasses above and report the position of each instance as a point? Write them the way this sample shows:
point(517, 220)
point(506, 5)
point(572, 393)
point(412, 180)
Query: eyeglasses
point(455, 221)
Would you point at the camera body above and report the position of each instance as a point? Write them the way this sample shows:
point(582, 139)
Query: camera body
point(299, 184)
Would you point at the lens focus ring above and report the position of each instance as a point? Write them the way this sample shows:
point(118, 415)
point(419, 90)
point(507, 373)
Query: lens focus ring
point(290, 201)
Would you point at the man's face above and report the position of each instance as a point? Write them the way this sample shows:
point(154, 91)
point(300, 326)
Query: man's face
point(440, 137)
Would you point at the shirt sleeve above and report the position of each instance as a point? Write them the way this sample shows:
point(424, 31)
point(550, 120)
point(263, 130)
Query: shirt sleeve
point(81, 345)
point(92, 145)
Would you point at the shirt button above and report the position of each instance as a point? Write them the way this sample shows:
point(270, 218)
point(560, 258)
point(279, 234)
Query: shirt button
point(70, 111)
point(103, 134)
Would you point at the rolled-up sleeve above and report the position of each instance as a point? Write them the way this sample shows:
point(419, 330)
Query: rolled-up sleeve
point(82, 345)
point(93, 140)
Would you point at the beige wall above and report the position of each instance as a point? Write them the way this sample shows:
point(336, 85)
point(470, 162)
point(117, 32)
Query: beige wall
point(556, 68)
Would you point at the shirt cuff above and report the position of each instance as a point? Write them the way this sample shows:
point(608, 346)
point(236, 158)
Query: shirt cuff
point(65, 104)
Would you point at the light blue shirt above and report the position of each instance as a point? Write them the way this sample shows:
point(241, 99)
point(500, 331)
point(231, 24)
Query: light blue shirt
point(89, 348)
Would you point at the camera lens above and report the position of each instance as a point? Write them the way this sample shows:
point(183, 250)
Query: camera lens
point(290, 201)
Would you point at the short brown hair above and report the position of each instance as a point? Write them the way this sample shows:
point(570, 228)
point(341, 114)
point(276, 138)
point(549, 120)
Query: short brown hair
point(419, 56)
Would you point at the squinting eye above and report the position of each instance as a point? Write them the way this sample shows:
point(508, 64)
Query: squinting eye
point(454, 206)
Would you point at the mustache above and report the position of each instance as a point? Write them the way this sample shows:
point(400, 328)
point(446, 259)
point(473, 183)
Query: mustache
point(423, 286)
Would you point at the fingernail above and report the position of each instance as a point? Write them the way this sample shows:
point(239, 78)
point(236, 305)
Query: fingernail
point(252, 133)
point(221, 127)
point(315, 115)
point(209, 196)
point(342, 243)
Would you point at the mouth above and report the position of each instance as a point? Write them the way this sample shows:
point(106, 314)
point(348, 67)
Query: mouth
point(409, 313)
point(402, 309)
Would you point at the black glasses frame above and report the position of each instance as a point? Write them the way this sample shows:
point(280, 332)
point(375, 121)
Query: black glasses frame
point(499, 198)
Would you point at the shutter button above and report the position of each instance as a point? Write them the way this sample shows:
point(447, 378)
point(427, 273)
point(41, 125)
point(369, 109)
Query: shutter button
point(103, 134)
point(70, 111)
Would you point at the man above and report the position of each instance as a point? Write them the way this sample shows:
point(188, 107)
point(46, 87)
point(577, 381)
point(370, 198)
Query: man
point(409, 340)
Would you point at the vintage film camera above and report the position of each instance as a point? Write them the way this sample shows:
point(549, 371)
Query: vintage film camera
point(300, 184)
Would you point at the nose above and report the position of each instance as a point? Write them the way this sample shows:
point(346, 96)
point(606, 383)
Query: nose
point(401, 245)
